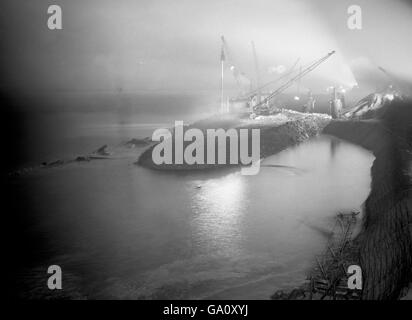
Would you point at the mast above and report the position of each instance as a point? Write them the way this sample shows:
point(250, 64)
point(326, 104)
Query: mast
point(258, 94)
point(222, 63)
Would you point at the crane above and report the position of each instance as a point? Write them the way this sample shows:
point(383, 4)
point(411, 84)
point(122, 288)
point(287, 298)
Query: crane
point(257, 72)
point(241, 79)
point(287, 84)
point(285, 75)
point(222, 73)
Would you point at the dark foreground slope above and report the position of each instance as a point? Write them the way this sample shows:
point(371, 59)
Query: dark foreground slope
point(386, 240)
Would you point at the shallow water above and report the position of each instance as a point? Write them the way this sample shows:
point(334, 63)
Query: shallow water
point(122, 231)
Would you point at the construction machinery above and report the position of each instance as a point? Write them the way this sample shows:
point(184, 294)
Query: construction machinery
point(264, 106)
point(256, 101)
point(242, 81)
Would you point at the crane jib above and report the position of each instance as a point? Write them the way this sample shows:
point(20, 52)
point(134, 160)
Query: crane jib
point(297, 77)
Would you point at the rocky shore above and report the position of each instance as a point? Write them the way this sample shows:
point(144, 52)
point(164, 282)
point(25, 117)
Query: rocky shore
point(277, 133)
point(385, 243)
point(383, 248)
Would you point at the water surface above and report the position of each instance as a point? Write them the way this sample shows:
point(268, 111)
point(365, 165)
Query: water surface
point(122, 231)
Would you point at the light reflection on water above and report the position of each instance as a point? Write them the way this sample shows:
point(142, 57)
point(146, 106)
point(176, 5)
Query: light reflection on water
point(296, 188)
point(218, 209)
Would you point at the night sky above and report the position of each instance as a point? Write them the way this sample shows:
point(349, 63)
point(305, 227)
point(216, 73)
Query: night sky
point(174, 46)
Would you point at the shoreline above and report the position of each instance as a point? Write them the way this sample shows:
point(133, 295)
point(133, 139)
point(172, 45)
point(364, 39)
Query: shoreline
point(278, 132)
point(385, 241)
point(383, 246)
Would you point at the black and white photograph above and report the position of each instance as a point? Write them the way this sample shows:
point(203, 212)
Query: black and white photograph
point(207, 154)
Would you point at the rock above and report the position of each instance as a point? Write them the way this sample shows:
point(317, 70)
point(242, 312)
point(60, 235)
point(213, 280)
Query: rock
point(372, 106)
point(279, 295)
point(82, 158)
point(55, 163)
point(132, 143)
point(102, 151)
point(277, 132)
point(385, 244)
point(297, 294)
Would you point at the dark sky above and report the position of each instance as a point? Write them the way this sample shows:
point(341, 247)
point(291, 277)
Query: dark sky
point(173, 46)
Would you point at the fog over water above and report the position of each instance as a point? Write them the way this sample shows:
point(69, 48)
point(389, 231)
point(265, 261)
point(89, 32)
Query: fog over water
point(122, 231)
point(128, 60)
point(121, 69)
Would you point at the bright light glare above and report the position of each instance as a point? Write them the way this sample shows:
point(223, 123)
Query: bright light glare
point(389, 96)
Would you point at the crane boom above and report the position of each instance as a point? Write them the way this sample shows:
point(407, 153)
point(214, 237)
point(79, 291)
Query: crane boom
point(287, 74)
point(297, 77)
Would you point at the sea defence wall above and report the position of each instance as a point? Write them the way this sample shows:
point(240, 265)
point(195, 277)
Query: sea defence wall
point(385, 243)
point(276, 134)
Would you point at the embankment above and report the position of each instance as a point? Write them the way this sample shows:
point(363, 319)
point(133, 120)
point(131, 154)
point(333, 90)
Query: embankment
point(276, 134)
point(385, 252)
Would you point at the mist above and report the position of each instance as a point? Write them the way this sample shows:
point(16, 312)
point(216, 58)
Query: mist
point(169, 46)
